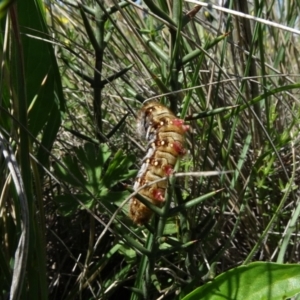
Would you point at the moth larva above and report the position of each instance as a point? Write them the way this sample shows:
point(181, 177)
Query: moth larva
point(165, 135)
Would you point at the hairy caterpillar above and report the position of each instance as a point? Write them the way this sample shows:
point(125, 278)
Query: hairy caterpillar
point(165, 135)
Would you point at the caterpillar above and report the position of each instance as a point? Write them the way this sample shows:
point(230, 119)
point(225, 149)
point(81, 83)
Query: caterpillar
point(165, 135)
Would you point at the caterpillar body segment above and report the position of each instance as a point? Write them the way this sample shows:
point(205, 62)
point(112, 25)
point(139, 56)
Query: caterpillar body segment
point(165, 134)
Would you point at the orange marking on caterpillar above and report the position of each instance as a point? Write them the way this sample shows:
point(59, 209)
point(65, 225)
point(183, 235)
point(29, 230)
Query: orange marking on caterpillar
point(180, 123)
point(179, 148)
point(158, 195)
point(168, 169)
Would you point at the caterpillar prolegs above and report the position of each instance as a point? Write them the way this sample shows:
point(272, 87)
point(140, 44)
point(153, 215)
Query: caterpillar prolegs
point(165, 135)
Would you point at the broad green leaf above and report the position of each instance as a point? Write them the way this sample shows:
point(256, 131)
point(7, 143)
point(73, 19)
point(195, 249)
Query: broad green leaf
point(32, 75)
point(43, 83)
point(42, 76)
point(259, 281)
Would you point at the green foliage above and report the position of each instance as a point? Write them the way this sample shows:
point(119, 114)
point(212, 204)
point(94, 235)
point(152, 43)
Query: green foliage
point(88, 170)
point(4, 5)
point(32, 104)
point(230, 133)
point(255, 281)
point(72, 81)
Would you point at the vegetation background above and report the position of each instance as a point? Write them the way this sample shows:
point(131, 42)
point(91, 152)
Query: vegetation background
point(73, 76)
